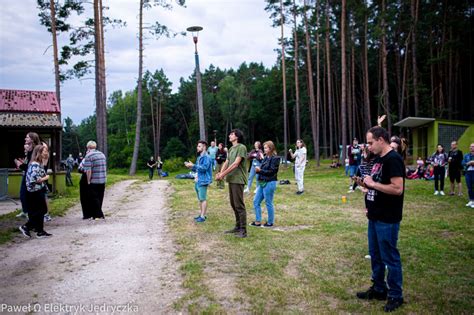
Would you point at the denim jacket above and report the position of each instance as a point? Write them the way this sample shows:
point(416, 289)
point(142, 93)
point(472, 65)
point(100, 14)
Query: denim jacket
point(467, 157)
point(203, 167)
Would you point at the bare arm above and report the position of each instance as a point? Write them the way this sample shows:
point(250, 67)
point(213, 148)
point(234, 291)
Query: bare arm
point(232, 167)
point(394, 188)
point(89, 176)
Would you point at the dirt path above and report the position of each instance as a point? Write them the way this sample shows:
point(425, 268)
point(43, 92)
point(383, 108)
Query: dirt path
point(127, 260)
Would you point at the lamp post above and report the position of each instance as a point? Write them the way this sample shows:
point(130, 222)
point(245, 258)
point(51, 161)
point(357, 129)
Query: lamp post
point(202, 127)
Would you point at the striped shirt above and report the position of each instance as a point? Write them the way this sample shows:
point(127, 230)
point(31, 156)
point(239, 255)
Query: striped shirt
point(95, 162)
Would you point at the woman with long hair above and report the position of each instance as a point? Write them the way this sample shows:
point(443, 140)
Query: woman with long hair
point(267, 183)
point(31, 141)
point(35, 181)
point(439, 159)
point(300, 164)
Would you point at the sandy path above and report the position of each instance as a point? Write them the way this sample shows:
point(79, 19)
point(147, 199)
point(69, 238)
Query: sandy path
point(128, 259)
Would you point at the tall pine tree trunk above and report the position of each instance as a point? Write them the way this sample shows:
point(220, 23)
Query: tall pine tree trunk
point(136, 147)
point(55, 51)
point(365, 64)
point(152, 110)
point(386, 98)
point(414, 14)
point(158, 125)
point(329, 85)
point(283, 70)
point(297, 88)
point(100, 94)
point(312, 106)
point(343, 81)
point(318, 87)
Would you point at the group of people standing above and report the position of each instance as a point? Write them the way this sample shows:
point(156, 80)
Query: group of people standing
point(231, 164)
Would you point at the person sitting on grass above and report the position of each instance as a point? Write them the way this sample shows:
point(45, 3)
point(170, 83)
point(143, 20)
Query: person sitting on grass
point(203, 168)
point(267, 183)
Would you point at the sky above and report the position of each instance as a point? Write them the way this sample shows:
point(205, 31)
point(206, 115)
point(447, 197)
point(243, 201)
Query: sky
point(235, 31)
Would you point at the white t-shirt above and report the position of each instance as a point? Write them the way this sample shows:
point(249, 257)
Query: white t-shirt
point(300, 157)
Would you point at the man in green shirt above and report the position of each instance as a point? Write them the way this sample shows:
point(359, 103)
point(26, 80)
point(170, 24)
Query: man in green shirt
point(235, 168)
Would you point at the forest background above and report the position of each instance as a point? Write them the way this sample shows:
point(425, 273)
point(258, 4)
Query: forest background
point(364, 58)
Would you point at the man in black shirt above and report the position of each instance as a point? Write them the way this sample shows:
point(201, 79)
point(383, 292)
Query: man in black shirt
point(151, 167)
point(455, 158)
point(384, 202)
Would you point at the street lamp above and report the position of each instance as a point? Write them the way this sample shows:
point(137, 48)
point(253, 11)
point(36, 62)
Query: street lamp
point(202, 127)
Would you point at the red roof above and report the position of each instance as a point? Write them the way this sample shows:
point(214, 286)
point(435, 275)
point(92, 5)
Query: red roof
point(28, 101)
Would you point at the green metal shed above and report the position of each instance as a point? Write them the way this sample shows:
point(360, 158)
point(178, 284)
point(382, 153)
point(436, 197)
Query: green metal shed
point(427, 133)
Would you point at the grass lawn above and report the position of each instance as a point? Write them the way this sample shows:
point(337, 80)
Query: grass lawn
point(313, 261)
point(58, 204)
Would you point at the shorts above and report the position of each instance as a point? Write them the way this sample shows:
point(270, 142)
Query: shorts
point(201, 192)
point(455, 175)
point(352, 170)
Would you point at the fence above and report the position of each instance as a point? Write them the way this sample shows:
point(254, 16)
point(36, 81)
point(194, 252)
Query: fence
point(4, 184)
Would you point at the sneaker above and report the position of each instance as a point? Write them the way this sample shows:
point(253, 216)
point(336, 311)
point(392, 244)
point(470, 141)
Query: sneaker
point(47, 217)
point(195, 218)
point(436, 193)
point(441, 193)
point(350, 191)
point(299, 192)
point(451, 193)
point(24, 230)
point(241, 234)
point(246, 191)
point(367, 257)
point(201, 219)
point(371, 294)
point(43, 234)
point(460, 194)
point(472, 205)
point(469, 203)
point(268, 225)
point(392, 304)
point(255, 224)
point(234, 230)
point(255, 191)
point(22, 215)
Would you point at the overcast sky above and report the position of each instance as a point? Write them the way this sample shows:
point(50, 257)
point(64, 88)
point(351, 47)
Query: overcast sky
point(234, 31)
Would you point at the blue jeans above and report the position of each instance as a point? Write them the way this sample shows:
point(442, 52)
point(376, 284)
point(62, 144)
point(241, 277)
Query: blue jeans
point(470, 184)
point(383, 252)
point(253, 174)
point(266, 193)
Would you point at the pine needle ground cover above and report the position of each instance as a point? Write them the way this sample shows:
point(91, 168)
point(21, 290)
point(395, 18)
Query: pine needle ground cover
point(313, 260)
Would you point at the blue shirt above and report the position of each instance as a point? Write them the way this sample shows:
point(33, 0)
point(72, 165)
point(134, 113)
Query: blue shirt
point(203, 167)
point(212, 152)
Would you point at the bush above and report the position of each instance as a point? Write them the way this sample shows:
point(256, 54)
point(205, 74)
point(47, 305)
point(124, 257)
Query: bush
point(174, 165)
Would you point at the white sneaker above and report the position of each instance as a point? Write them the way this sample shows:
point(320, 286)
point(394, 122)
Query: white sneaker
point(246, 191)
point(441, 193)
point(472, 205)
point(436, 193)
point(469, 204)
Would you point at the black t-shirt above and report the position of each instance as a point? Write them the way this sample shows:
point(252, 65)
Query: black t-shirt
point(150, 162)
point(381, 206)
point(456, 160)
